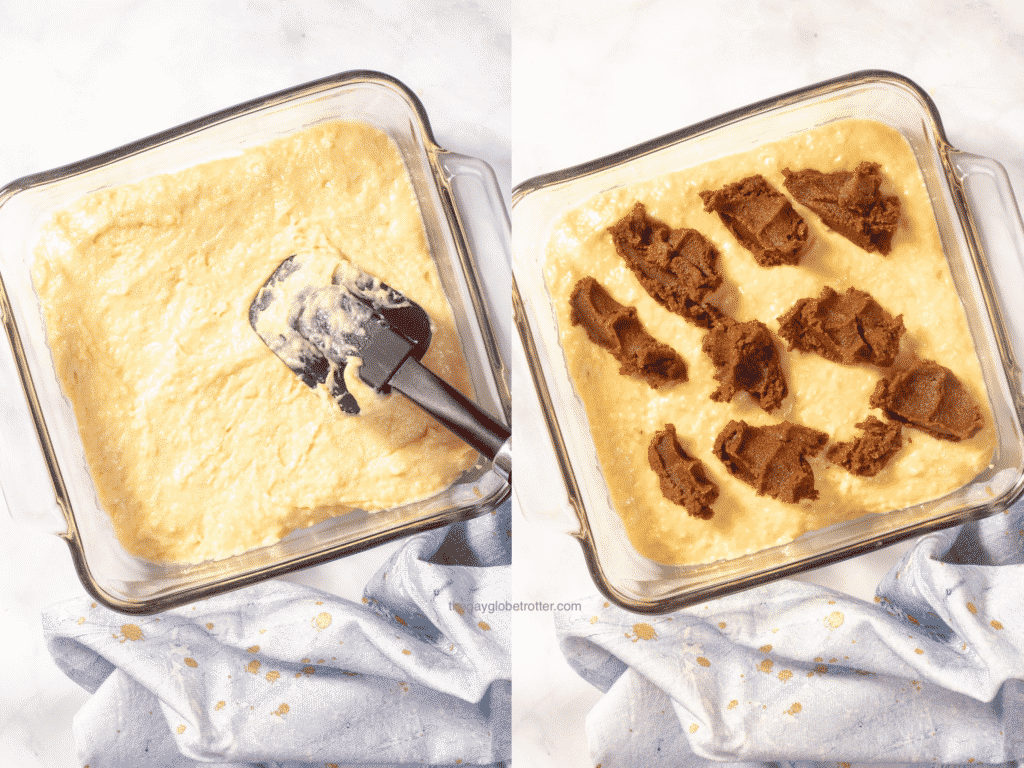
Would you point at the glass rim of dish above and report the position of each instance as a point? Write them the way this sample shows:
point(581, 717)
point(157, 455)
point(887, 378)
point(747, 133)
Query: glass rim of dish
point(443, 201)
point(538, 202)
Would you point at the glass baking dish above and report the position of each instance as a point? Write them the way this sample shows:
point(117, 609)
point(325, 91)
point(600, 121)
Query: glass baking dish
point(43, 471)
point(983, 240)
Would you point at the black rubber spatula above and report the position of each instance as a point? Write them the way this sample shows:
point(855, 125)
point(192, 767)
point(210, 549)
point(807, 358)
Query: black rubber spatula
point(315, 328)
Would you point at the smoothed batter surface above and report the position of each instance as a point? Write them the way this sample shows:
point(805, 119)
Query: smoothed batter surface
point(624, 413)
point(200, 441)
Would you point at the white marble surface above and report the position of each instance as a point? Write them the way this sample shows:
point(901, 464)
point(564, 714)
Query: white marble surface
point(80, 78)
point(581, 73)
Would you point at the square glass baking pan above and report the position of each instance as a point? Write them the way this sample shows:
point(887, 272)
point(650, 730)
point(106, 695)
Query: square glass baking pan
point(983, 239)
point(43, 471)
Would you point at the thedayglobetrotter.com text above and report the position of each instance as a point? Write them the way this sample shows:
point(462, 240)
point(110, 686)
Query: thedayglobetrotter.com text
point(509, 605)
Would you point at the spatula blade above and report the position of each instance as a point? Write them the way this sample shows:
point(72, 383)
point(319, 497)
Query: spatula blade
point(314, 328)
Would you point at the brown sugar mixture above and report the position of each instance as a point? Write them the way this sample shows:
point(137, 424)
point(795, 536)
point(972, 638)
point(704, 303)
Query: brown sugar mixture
point(850, 203)
point(869, 453)
point(761, 218)
point(845, 328)
point(746, 360)
point(773, 459)
point(616, 328)
point(683, 479)
point(930, 397)
point(678, 267)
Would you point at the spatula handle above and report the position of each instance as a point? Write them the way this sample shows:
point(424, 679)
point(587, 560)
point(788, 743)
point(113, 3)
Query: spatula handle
point(456, 412)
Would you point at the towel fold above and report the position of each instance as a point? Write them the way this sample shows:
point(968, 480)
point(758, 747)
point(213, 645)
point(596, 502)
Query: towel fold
point(285, 675)
point(931, 672)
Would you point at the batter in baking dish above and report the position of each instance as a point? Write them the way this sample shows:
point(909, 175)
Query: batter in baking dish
point(852, 448)
point(201, 443)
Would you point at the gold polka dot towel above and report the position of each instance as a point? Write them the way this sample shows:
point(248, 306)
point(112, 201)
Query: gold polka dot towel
point(283, 674)
point(928, 673)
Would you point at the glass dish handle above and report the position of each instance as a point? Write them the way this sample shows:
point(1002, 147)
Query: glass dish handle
point(483, 219)
point(24, 477)
point(999, 233)
point(484, 225)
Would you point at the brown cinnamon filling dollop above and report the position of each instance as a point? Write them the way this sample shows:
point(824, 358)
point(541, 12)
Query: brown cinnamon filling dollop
point(930, 397)
point(868, 454)
point(844, 328)
point(772, 459)
point(747, 360)
point(677, 267)
point(618, 329)
point(683, 479)
point(761, 218)
point(849, 202)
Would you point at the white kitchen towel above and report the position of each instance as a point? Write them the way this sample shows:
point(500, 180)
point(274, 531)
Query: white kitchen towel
point(931, 672)
point(288, 676)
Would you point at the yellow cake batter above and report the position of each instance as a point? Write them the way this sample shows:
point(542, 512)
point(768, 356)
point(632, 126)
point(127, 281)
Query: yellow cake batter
point(624, 412)
point(201, 443)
